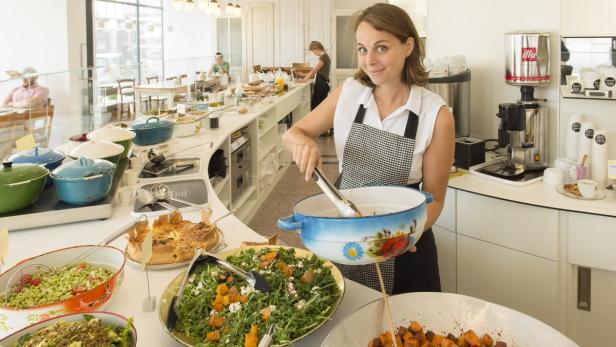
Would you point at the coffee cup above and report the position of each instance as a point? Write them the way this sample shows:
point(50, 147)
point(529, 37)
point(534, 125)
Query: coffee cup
point(588, 188)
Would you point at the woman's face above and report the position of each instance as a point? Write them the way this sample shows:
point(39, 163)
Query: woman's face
point(380, 54)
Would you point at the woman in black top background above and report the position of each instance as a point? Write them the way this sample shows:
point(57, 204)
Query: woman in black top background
point(321, 70)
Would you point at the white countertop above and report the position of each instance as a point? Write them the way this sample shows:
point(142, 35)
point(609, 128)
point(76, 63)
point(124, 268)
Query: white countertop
point(128, 300)
point(538, 194)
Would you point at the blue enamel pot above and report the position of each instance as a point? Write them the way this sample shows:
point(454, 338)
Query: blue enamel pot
point(153, 131)
point(83, 181)
point(393, 219)
point(50, 158)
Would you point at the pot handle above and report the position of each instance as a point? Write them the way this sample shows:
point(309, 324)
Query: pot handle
point(290, 224)
point(149, 119)
point(429, 197)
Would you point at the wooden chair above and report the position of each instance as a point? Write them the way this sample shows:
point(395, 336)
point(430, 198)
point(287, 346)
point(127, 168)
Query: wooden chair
point(178, 79)
point(40, 123)
point(160, 100)
point(298, 65)
point(12, 127)
point(126, 93)
point(256, 68)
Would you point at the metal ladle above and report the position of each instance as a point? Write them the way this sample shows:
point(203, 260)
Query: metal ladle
point(161, 191)
point(146, 198)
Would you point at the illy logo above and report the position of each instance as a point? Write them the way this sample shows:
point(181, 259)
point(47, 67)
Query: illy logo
point(529, 53)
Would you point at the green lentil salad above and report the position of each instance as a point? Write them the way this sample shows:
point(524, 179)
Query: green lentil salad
point(303, 292)
point(48, 287)
point(88, 332)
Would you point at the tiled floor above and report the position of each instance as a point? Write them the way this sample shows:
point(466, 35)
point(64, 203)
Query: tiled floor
point(290, 189)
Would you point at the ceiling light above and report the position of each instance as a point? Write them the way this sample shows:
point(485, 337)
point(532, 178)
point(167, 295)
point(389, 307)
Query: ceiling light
point(177, 4)
point(189, 5)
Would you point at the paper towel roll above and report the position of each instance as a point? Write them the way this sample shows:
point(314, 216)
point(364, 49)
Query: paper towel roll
point(598, 169)
point(587, 134)
point(572, 136)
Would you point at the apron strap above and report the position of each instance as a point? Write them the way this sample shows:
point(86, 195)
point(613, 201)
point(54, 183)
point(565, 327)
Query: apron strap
point(412, 122)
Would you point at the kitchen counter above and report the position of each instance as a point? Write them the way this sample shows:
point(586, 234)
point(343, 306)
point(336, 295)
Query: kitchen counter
point(128, 300)
point(536, 194)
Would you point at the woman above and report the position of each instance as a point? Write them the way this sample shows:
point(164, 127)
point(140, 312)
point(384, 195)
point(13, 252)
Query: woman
point(321, 71)
point(388, 130)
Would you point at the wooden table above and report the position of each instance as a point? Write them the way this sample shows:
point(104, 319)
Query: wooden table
point(167, 88)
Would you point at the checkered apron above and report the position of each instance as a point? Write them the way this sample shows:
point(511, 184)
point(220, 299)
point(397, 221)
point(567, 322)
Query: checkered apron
point(374, 157)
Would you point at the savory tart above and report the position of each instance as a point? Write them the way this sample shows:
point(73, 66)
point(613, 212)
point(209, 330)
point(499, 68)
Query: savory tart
point(174, 239)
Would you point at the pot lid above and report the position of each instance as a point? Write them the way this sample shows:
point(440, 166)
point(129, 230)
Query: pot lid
point(153, 123)
point(83, 168)
point(96, 149)
point(20, 172)
point(37, 155)
point(111, 133)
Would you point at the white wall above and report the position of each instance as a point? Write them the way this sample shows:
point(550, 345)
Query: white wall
point(476, 28)
point(34, 33)
point(187, 35)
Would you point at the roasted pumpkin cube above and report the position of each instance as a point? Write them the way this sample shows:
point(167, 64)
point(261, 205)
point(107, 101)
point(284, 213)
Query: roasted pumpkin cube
point(415, 327)
point(487, 339)
point(216, 321)
point(307, 277)
point(213, 336)
point(266, 313)
point(222, 289)
point(471, 338)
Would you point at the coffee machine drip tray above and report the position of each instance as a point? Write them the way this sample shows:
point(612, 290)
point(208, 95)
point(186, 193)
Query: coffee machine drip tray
point(496, 170)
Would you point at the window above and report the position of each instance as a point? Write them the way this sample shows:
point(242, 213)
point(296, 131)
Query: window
point(128, 37)
point(229, 39)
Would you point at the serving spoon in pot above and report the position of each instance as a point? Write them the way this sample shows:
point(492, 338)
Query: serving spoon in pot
point(344, 206)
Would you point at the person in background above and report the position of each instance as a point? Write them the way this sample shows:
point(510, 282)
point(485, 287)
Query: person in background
point(220, 66)
point(388, 130)
point(321, 73)
point(30, 94)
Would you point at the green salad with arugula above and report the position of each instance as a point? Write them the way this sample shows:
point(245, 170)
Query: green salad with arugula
point(220, 309)
point(86, 332)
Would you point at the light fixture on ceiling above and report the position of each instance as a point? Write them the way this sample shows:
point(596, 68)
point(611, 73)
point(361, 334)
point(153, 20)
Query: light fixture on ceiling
point(177, 4)
point(189, 5)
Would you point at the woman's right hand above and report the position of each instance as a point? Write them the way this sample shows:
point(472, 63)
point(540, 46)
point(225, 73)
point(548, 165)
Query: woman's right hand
point(307, 156)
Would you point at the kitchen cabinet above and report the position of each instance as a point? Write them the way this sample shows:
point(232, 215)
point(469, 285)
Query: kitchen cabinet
point(522, 227)
point(508, 277)
point(446, 248)
point(594, 327)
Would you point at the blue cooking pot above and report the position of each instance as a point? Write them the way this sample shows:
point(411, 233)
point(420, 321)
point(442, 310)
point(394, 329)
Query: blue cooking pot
point(392, 222)
point(50, 158)
point(83, 181)
point(153, 131)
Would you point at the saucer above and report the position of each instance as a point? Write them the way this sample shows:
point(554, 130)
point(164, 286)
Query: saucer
point(601, 194)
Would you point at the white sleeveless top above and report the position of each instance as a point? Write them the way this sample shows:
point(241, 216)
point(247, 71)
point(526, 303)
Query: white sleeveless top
point(421, 101)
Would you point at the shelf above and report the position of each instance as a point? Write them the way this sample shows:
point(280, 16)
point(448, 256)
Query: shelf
point(218, 188)
point(265, 152)
point(267, 129)
point(242, 199)
point(565, 93)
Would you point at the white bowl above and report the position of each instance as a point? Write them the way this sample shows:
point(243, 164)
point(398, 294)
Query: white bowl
point(443, 313)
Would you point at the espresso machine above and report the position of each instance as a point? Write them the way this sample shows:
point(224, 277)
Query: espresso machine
point(523, 126)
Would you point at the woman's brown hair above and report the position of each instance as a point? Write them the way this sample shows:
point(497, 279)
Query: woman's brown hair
point(394, 20)
point(315, 45)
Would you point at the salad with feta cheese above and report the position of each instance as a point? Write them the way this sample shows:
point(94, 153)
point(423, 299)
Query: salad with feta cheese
point(220, 309)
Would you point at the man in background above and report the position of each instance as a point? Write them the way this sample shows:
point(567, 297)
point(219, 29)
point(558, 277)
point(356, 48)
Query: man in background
point(220, 66)
point(30, 94)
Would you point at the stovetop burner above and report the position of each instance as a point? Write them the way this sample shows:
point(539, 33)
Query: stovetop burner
point(170, 167)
